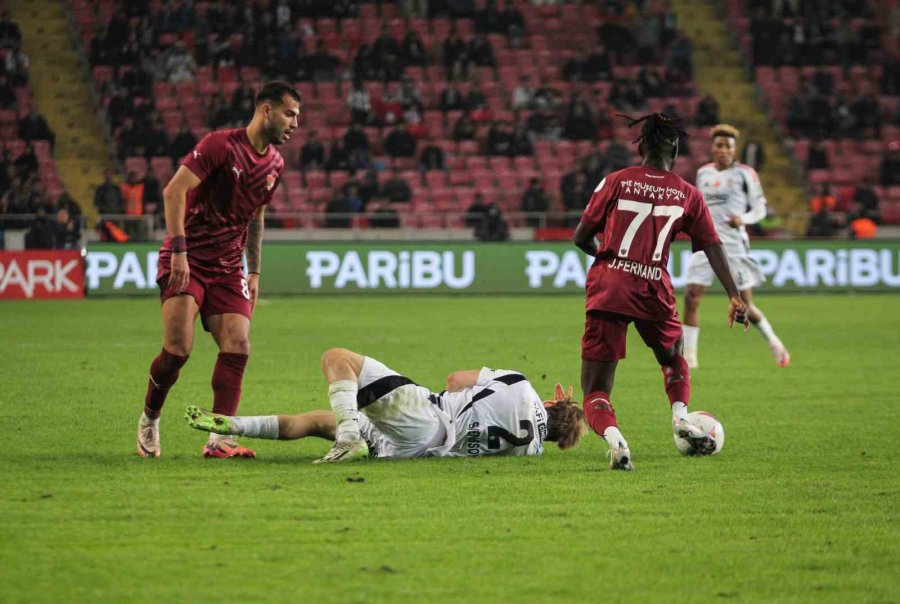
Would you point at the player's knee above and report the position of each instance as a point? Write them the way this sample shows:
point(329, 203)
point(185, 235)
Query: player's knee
point(333, 356)
point(237, 345)
point(178, 347)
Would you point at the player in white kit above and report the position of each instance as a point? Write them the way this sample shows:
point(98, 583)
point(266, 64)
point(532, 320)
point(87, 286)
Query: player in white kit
point(735, 199)
point(377, 412)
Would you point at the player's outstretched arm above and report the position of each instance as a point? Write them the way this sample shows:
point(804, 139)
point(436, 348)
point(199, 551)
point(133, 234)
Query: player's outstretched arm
point(175, 201)
point(460, 380)
point(254, 253)
point(737, 310)
point(584, 239)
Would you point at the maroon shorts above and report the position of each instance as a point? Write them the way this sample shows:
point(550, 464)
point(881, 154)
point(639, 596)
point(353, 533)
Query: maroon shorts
point(604, 334)
point(216, 295)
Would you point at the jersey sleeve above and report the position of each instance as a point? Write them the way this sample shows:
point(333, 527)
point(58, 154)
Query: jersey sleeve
point(756, 199)
point(206, 156)
point(699, 224)
point(596, 211)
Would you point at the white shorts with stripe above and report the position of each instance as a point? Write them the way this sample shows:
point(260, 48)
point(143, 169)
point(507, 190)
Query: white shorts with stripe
point(397, 416)
point(744, 269)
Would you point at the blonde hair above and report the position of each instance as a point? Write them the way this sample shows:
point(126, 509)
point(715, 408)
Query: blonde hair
point(567, 424)
point(724, 130)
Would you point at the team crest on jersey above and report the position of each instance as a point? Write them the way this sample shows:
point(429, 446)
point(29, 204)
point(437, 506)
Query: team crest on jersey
point(270, 182)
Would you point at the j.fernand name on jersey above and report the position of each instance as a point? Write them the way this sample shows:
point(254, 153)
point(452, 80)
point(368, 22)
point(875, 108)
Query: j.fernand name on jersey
point(645, 271)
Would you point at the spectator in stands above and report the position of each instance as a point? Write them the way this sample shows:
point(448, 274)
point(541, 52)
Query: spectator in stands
point(369, 188)
point(451, 99)
point(431, 158)
point(523, 94)
point(26, 164)
point(625, 95)
point(8, 98)
point(364, 67)
point(66, 233)
point(133, 195)
point(360, 103)
point(546, 96)
point(499, 139)
point(543, 124)
point(798, 117)
point(119, 107)
point(18, 199)
point(152, 198)
point(480, 51)
point(410, 95)
point(322, 66)
point(866, 115)
point(575, 191)
point(596, 67)
point(155, 140)
point(617, 156)
point(240, 95)
point(579, 125)
point(513, 24)
point(337, 213)
point(312, 154)
point(754, 154)
point(183, 142)
point(218, 111)
point(817, 157)
point(707, 111)
point(492, 226)
point(535, 202)
point(138, 81)
point(521, 142)
point(396, 189)
point(414, 9)
point(34, 127)
point(476, 102)
point(865, 199)
point(385, 47)
point(17, 63)
point(355, 139)
point(400, 142)
point(476, 210)
point(455, 56)
point(890, 166)
point(861, 226)
point(652, 83)
point(412, 50)
point(464, 129)
point(382, 215)
point(10, 34)
point(130, 140)
point(180, 65)
point(337, 156)
point(822, 224)
point(6, 171)
point(41, 234)
point(823, 200)
point(388, 110)
point(108, 196)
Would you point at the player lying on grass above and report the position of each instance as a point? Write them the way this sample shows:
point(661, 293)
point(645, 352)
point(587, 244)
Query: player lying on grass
point(377, 412)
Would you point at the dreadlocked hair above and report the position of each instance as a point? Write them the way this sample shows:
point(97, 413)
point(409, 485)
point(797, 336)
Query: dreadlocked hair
point(567, 424)
point(724, 130)
point(658, 130)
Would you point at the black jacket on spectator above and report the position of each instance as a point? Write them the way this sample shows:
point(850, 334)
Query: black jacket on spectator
point(400, 143)
point(432, 158)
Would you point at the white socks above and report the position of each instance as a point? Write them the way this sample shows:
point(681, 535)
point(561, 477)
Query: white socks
point(342, 396)
point(691, 336)
point(679, 410)
point(146, 421)
point(256, 426)
point(612, 436)
point(766, 329)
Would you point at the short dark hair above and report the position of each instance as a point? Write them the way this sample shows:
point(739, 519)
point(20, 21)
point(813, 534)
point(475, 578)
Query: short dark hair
point(658, 131)
point(274, 92)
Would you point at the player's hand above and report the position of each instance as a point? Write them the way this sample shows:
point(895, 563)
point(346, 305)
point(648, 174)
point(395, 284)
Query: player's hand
point(253, 288)
point(735, 221)
point(180, 273)
point(737, 311)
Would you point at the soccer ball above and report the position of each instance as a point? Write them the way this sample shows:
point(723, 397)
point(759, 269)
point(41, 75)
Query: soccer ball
point(710, 425)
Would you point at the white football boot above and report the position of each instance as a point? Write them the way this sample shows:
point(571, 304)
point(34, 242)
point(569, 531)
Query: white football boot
point(346, 451)
point(703, 443)
point(148, 438)
point(620, 457)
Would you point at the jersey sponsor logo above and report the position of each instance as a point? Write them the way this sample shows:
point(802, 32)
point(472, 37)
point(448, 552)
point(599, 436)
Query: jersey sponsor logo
point(237, 171)
point(648, 191)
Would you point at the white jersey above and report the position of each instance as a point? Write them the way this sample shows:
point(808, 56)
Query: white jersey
point(735, 191)
point(500, 415)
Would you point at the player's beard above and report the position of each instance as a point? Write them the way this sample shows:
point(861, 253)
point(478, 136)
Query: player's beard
point(275, 134)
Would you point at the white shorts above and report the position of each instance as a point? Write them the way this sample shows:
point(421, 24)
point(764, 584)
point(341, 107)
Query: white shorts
point(744, 269)
point(397, 415)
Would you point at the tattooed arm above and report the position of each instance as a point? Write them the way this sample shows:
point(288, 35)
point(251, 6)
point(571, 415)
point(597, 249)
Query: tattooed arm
point(254, 253)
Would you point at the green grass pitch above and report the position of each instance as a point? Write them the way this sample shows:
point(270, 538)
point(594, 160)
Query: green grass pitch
point(802, 505)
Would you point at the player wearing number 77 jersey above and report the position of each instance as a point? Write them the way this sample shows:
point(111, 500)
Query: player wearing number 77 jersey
point(377, 412)
point(634, 214)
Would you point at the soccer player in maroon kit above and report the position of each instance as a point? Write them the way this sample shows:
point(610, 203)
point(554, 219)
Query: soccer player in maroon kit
point(636, 213)
point(214, 208)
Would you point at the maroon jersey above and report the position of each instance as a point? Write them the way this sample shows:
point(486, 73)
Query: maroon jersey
point(235, 181)
point(635, 214)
